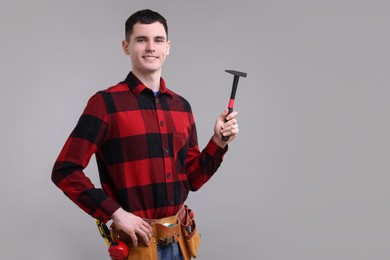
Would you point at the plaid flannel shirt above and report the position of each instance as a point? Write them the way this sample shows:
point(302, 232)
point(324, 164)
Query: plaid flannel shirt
point(146, 151)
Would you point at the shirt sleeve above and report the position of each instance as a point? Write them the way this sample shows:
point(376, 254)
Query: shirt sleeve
point(201, 165)
point(68, 171)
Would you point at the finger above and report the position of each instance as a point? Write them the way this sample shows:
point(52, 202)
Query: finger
point(229, 126)
point(228, 133)
point(225, 112)
point(147, 225)
point(145, 236)
point(134, 239)
point(232, 115)
point(147, 230)
point(230, 122)
point(223, 115)
point(230, 130)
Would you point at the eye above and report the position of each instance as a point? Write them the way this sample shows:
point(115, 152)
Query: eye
point(160, 40)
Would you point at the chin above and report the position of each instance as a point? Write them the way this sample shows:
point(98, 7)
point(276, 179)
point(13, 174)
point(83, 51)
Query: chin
point(152, 69)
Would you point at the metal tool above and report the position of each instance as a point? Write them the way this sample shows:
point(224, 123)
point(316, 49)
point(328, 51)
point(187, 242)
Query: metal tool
point(117, 249)
point(237, 75)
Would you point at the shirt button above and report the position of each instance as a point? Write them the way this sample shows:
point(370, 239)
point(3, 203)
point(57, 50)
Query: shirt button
point(162, 123)
point(171, 202)
point(169, 175)
point(166, 150)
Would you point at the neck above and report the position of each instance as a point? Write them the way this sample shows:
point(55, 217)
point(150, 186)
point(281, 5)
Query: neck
point(151, 80)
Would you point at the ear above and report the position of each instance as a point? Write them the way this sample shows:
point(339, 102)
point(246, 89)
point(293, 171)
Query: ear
point(168, 47)
point(125, 47)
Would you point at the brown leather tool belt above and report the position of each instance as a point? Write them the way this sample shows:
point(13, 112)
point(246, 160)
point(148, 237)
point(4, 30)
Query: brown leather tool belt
point(165, 231)
point(180, 228)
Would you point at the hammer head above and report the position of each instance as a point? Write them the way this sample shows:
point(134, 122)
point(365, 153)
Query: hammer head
point(236, 73)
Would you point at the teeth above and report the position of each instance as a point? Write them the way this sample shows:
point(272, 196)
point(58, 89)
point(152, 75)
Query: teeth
point(150, 58)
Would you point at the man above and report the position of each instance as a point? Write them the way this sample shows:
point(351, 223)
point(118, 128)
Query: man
point(144, 138)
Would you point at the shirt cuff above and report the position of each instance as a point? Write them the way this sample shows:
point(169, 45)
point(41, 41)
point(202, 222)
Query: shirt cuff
point(213, 148)
point(107, 208)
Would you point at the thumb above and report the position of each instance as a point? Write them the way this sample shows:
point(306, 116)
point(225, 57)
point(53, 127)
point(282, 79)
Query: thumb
point(224, 114)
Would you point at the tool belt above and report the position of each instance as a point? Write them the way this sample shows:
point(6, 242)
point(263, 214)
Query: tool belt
point(180, 228)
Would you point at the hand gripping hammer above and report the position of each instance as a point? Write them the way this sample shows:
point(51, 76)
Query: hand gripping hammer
point(237, 75)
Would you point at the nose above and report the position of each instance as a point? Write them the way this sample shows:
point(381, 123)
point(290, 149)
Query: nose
point(150, 47)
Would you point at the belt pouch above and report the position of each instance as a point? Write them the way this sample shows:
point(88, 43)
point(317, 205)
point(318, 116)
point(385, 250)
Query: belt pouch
point(192, 239)
point(142, 251)
point(190, 232)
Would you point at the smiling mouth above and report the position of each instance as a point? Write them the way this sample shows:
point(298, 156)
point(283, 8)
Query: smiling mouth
point(150, 58)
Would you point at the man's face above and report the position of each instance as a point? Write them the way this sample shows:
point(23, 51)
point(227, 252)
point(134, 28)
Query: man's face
point(148, 47)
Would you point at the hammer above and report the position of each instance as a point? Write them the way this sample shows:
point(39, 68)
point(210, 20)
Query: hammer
point(237, 75)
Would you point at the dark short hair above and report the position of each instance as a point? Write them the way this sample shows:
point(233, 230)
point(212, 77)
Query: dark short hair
point(145, 16)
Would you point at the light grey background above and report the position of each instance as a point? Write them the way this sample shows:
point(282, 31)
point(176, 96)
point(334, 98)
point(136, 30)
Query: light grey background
point(308, 177)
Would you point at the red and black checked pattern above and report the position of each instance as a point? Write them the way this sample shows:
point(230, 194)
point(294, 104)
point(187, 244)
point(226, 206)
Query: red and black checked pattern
point(146, 150)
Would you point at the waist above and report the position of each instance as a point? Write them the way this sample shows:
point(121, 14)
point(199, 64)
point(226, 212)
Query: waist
point(167, 221)
point(165, 230)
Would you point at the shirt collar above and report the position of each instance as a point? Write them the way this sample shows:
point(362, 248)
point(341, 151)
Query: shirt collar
point(137, 87)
